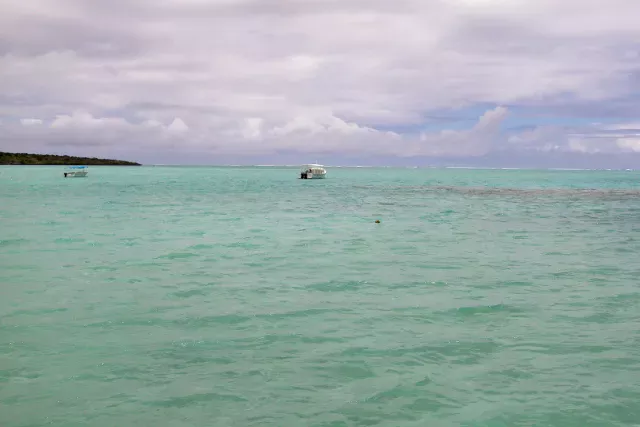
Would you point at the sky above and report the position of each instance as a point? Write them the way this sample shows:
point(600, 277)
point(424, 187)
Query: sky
point(544, 83)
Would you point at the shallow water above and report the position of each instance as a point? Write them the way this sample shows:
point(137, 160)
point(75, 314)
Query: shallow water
point(174, 296)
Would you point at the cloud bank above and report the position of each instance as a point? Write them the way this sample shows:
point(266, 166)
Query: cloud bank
point(215, 79)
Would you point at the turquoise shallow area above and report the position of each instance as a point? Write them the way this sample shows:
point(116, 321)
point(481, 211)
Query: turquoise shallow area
point(195, 296)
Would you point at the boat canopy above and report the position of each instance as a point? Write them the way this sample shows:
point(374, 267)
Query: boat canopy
point(76, 167)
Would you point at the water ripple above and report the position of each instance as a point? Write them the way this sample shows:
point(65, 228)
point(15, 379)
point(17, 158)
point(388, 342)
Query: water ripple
point(245, 297)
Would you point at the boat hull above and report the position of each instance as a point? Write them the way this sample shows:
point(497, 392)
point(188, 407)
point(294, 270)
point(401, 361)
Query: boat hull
point(313, 171)
point(75, 174)
point(312, 176)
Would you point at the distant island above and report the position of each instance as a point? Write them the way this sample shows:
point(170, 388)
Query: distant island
point(51, 159)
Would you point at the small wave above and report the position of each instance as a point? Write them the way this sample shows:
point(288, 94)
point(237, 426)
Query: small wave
point(12, 242)
point(189, 293)
point(201, 246)
point(179, 255)
point(510, 191)
point(337, 286)
point(486, 309)
point(196, 399)
point(69, 240)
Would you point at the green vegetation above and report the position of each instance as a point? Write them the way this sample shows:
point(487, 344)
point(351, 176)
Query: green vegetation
point(50, 159)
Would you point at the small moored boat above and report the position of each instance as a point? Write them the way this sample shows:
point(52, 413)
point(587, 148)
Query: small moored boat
point(313, 171)
point(76, 171)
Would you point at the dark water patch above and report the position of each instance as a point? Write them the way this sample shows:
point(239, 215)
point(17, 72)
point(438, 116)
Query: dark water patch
point(202, 246)
point(311, 312)
point(478, 310)
point(253, 264)
point(187, 361)
point(242, 245)
point(124, 322)
point(411, 356)
point(208, 321)
point(107, 234)
point(616, 360)
point(604, 270)
point(349, 371)
point(20, 267)
point(337, 286)
point(102, 268)
point(190, 293)
point(422, 285)
point(562, 192)
point(567, 274)
point(318, 339)
point(181, 355)
point(12, 242)
point(389, 395)
point(466, 352)
point(430, 266)
point(560, 348)
point(101, 377)
point(18, 375)
point(178, 255)
point(556, 253)
point(150, 264)
point(53, 223)
point(528, 347)
point(196, 399)
point(404, 249)
point(37, 312)
point(513, 283)
point(577, 193)
point(436, 402)
point(421, 315)
point(509, 375)
point(602, 318)
point(577, 415)
point(623, 300)
point(18, 346)
point(119, 400)
point(63, 240)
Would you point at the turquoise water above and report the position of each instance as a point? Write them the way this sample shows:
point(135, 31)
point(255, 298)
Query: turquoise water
point(168, 296)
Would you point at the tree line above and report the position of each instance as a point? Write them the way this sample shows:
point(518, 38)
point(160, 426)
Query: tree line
point(52, 159)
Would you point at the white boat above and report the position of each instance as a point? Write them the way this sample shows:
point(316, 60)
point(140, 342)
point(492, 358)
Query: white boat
point(313, 171)
point(76, 171)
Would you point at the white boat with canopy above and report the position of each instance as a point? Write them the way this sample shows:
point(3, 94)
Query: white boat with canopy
point(76, 171)
point(313, 171)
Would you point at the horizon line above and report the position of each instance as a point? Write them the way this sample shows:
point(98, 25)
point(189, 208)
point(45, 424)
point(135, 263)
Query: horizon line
point(391, 167)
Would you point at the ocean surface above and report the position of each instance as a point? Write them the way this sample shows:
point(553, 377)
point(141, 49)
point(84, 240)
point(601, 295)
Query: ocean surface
point(202, 296)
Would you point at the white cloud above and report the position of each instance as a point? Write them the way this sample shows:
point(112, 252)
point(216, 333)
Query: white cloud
point(84, 120)
point(632, 144)
point(254, 76)
point(253, 128)
point(178, 126)
point(476, 141)
point(30, 122)
point(623, 126)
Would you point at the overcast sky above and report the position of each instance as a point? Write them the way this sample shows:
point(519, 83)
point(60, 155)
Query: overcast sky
point(280, 81)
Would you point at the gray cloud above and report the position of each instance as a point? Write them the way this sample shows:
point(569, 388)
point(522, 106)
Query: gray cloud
point(258, 77)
